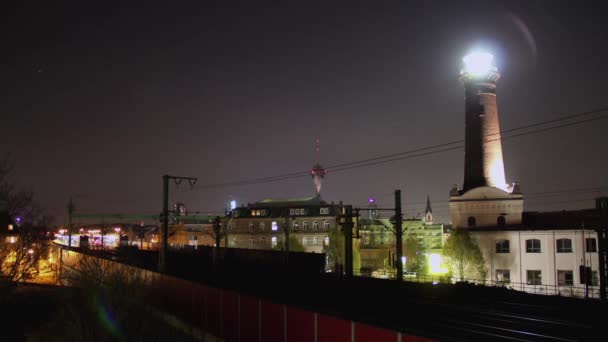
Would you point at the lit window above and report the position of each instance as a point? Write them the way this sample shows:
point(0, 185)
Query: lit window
point(292, 212)
point(274, 226)
point(502, 246)
point(326, 241)
point(534, 277)
point(533, 246)
point(324, 211)
point(591, 245)
point(564, 245)
point(315, 225)
point(315, 241)
point(10, 227)
point(565, 278)
point(274, 242)
point(503, 276)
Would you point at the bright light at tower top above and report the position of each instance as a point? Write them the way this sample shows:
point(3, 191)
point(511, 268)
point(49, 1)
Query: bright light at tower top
point(478, 63)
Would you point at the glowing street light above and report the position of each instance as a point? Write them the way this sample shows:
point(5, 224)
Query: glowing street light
point(478, 63)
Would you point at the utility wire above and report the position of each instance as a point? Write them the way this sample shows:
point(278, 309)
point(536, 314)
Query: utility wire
point(434, 149)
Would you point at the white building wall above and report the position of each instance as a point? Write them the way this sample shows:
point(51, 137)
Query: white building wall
point(518, 261)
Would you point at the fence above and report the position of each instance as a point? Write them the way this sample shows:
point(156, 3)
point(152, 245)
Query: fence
point(541, 289)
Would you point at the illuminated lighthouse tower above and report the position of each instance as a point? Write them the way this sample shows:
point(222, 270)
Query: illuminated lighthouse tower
point(485, 199)
point(317, 172)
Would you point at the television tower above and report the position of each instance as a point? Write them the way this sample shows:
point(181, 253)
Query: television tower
point(317, 172)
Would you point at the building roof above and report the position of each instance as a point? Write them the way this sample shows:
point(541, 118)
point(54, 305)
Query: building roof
point(428, 205)
point(289, 202)
point(552, 220)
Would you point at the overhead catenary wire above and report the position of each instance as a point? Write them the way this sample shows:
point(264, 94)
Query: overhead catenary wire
point(419, 152)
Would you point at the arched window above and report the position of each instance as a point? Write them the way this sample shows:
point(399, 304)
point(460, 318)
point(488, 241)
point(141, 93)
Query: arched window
point(471, 222)
point(564, 245)
point(501, 221)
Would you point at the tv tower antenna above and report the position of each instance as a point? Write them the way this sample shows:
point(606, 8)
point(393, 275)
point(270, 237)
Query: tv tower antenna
point(317, 172)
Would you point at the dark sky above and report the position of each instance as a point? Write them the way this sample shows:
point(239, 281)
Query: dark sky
point(98, 101)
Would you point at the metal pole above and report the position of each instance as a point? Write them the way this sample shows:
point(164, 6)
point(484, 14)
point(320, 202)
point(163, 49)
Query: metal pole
point(348, 241)
point(398, 235)
point(602, 205)
point(165, 226)
point(70, 211)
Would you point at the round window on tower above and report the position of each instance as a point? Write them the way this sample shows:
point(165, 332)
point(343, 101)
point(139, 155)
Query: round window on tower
point(471, 221)
point(501, 221)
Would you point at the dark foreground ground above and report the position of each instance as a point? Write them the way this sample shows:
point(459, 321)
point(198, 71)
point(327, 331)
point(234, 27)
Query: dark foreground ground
point(49, 313)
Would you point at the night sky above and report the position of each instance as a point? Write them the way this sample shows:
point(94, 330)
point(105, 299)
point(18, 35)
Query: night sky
point(98, 101)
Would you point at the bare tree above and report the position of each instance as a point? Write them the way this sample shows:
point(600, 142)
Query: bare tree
point(22, 247)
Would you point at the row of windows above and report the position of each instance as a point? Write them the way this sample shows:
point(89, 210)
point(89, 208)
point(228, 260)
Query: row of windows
point(534, 277)
point(296, 226)
point(534, 246)
point(306, 241)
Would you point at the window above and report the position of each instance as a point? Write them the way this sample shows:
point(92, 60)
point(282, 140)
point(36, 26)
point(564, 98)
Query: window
point(503, 276)
point(273, 242)
point(305, 241)
point(324, 211)
point(263, 241)
point(564, 246)
point(274, 226)
point(502, 246)
point(250, 226)
point(565, 278)
point(533, 246)
point(296, 226)
point(500, 221)
point(292, 212)
point(471, 222)
point(262, 226)
point(594, 278)
point(315, 225)
point(251, 242)
point(326, 241)
point(305, 225)
point(534, 277)
point(315, 241)
point(591, 245)
point(325, 225)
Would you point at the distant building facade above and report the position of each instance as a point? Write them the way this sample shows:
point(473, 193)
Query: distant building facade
point(261, 225)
